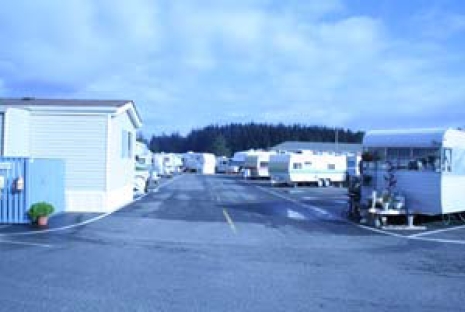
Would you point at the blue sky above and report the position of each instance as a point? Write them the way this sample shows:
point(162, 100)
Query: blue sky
point(357, 63)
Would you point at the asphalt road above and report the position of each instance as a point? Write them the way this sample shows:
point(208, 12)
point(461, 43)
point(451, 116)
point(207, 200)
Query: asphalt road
point(219, 244)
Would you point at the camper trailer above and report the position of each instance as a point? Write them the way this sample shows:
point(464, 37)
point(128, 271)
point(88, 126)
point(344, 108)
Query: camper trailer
point(426, 167)
point(203, 163)
point(164, 164)
point(144, 176)
point(222, 164)
point(257, 163)
point(237, 162)
point(308, 167)
point(353, 165)
point(177, 163)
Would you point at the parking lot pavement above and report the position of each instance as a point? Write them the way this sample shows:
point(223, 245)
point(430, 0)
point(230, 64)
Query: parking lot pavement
point(214, 243)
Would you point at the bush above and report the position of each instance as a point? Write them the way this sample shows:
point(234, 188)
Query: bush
point(41, 209)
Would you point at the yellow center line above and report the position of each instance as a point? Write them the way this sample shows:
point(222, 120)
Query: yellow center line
point(229, 220)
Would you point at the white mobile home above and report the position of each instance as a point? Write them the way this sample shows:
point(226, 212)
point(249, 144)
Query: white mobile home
point(258, 163)
point(308, 167)
point(95, 138)
point(427, 167)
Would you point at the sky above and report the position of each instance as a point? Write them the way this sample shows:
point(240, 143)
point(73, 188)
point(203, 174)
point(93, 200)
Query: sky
point(355, 64)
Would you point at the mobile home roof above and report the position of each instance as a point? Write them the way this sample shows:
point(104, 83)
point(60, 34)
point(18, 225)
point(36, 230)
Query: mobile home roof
point(74, 104)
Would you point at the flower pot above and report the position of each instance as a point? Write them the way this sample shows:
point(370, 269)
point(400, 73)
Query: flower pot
point(42, 221)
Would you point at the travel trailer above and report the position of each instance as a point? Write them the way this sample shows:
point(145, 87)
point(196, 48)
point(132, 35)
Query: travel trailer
point(238, 161)
point(144, 176)
point(308, 167)
point(177, 163)
point(257, 163)
point(203, 163)
point(222, 164)
point(425, 166)
point(353, 165)
point(164, 164)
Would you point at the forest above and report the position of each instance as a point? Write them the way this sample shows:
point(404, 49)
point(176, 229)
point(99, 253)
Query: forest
point(227, 139)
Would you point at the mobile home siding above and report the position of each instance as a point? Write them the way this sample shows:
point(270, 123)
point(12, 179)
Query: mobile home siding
point(120, 169)
point(80, 140)
point(16, 133)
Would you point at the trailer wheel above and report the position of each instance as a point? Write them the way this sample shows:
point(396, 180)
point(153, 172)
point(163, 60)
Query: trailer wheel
point(328, 182)
point(320, 183)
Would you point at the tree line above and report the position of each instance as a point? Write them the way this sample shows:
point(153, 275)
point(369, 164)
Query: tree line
point(228, 139)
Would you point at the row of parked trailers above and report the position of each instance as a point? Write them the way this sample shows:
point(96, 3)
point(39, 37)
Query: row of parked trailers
point(427, 167)
point(291, 168)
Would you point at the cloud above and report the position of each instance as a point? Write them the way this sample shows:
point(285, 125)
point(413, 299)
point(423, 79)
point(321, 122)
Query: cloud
point(191, 63)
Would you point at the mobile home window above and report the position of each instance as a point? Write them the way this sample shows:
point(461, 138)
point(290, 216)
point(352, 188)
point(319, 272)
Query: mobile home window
point(263, 164)
point(126, 144)
point(1, 134)
point(297, 166)
point(130, 145)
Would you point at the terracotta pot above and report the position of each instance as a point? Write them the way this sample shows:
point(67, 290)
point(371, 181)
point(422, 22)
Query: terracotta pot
point(42, 221)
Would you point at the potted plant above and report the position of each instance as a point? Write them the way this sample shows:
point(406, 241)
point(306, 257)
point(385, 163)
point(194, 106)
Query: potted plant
point(39, 212)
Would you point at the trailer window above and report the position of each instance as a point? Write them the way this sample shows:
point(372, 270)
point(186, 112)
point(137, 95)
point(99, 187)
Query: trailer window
point(297, 166)
point(447, 160)
point(263, 164)
point(425, 159)
point(399, 157)
point(308, 164)
point(331, 167)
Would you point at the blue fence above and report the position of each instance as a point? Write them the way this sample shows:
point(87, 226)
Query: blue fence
point(24, 181)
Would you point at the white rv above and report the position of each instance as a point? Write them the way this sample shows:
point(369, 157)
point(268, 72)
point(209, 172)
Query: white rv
point(144, 176)
point(353, 165)
point(177, 162)
point(427, 167)
point(222, 164)
point(203, 163)
point(238, 160)
point(308, 167)
point(258, 163)
point(164, 164)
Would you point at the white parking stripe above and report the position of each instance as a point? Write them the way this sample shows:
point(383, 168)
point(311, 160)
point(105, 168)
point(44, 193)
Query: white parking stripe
point(437, 231)
point(2, 241)
point(437, 240)
point(314, 208)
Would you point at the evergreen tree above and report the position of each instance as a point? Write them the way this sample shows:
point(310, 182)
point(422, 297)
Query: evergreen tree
point(227, 139)
point(219, 146)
